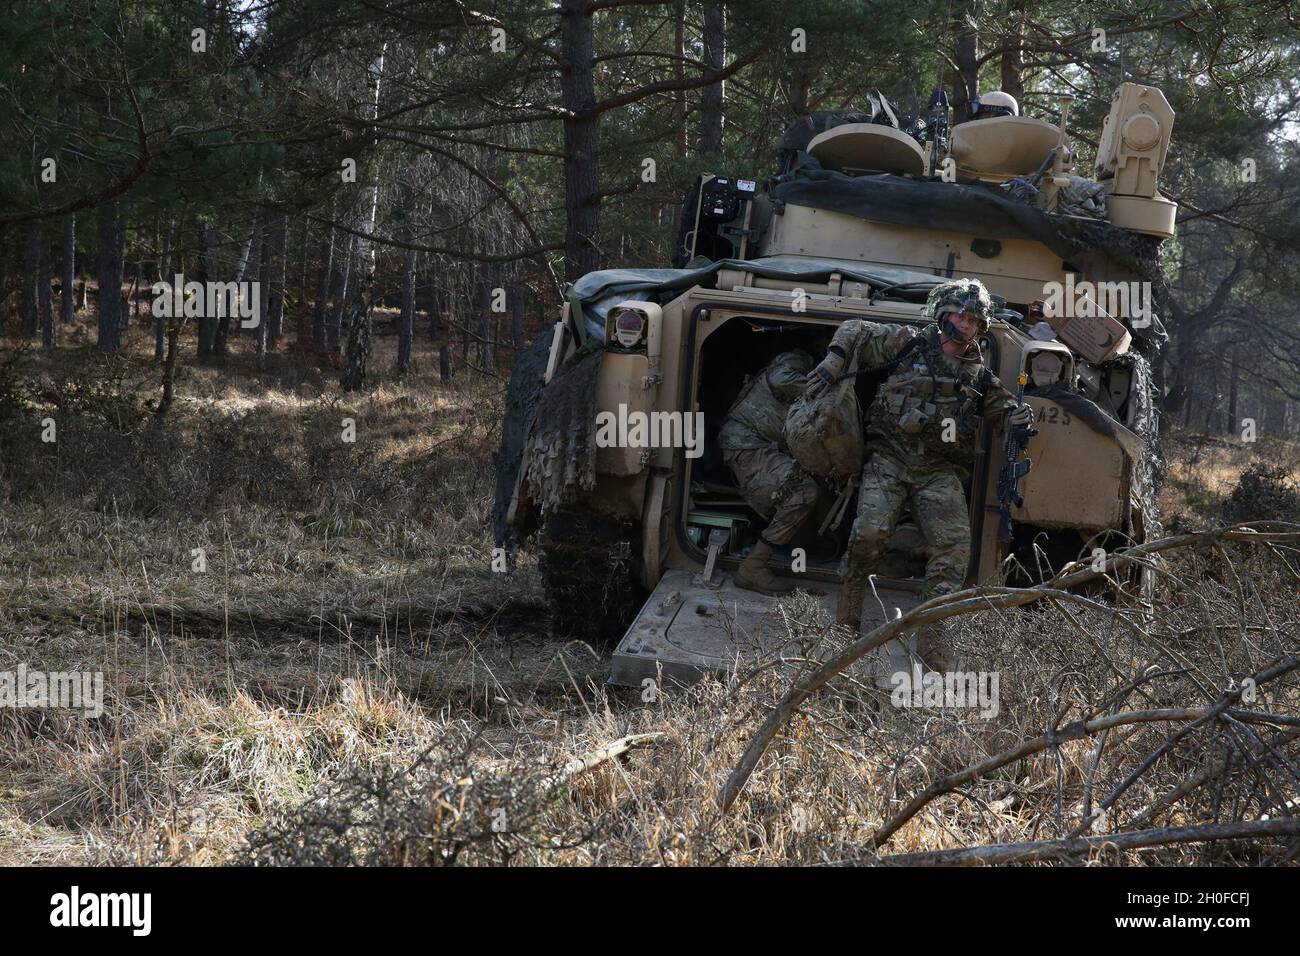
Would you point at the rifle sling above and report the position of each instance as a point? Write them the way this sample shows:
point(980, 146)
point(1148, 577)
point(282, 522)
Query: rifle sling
point(911, 346)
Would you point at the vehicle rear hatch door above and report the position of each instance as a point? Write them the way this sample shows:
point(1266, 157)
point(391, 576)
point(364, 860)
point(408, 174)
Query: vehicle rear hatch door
point(689, 628)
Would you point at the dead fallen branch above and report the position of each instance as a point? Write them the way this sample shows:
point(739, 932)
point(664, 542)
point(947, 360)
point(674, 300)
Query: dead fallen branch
point(1220, 706)
point(968, 601)
point(1199, 779)
point(1074, 731)
point(594, 758)
point(577, 766)
point(1003, 853)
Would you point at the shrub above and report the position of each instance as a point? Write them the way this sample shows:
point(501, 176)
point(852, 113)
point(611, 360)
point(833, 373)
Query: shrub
point(1264, 492)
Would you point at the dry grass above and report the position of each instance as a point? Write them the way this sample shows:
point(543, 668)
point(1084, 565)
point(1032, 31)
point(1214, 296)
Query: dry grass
point(349, 683)
point(1203, 469)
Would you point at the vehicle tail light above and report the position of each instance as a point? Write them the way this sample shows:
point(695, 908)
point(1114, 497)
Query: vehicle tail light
point(628, 326)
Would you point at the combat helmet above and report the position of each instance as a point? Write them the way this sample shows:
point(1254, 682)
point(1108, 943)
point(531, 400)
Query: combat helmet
point(959, 295)
point(994, 103)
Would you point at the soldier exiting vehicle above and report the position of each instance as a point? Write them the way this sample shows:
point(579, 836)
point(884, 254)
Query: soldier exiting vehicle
point(753, 446)
point(920, 436)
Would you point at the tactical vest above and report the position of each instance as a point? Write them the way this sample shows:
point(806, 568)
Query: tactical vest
point(923, 398)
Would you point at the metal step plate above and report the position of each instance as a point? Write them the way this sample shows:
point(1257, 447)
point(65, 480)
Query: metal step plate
point(687, 629)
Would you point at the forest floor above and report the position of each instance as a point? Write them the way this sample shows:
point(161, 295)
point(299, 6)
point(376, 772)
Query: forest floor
point(308, 658)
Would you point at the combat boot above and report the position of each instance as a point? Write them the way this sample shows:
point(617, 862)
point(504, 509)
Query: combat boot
point(848, 606)
point(894, 657)
point(753, 574)
point(932, 648)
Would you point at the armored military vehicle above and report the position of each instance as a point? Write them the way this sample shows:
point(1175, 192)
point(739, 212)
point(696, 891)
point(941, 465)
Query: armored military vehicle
point(609, 462)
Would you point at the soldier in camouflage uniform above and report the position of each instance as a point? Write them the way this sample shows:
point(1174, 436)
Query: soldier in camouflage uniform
point(753, 446)
point(920, 434)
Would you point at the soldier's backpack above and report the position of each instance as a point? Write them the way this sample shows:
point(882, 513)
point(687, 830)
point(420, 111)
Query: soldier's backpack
point(824, 431)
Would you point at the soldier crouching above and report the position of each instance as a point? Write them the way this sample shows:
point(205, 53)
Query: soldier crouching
point(773, 484)
point(920, 434)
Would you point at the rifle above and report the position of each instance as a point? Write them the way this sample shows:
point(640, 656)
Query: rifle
point(936, 129)
point(1013, 469)
point(1042, 167)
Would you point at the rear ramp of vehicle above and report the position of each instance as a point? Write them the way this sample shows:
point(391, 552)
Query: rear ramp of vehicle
point(689, 628)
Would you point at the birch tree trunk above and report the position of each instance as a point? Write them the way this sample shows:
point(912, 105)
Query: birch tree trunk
point(250, 252)
point(358, 350)
point(260, 269)
point(342, 274)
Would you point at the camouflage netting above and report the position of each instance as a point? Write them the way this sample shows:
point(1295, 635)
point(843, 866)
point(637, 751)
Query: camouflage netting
point(800, 133)
point(521, 404)
point(1138, 253)
point(978, 209)
point(1149, 469)
point(1084, 197)
point(561, 451)
point(1132, 250)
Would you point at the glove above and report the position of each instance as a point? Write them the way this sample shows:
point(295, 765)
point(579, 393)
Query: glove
point(828, 371)
point(1021, 415)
